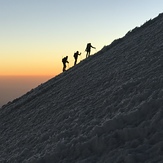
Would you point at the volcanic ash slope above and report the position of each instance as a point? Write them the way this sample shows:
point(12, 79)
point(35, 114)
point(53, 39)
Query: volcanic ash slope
point(106, 109)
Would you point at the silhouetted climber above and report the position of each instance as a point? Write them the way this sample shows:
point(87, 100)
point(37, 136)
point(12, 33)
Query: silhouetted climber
point(64, 61)
point(88, 49)
point(76, 57)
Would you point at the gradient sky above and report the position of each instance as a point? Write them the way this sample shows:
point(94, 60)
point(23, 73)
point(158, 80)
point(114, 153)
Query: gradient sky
point(36, 34)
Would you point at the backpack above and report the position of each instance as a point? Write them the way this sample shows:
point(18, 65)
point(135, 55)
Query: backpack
point(75, 55)
point(64, 60)
point(88, 47)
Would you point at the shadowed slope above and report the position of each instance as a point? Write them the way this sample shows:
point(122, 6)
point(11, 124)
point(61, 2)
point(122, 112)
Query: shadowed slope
point(108, 108)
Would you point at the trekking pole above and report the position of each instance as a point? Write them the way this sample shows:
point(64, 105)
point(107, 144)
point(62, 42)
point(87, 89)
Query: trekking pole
point(84, 52)
point(80, 56)
point(95, 51)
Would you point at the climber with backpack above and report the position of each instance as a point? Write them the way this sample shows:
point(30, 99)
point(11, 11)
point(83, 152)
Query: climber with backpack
point(88, 49)
point(64, 61)
point(76, 54)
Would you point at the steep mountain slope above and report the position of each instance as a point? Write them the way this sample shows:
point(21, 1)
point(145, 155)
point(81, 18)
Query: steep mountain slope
point(108, 108)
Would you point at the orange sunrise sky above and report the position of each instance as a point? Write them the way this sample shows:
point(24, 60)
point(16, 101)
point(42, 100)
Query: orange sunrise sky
point(36, 34)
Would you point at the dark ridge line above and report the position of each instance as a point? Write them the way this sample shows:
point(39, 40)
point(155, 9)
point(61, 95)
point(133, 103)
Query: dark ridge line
point(41, 88)
point(130, 33)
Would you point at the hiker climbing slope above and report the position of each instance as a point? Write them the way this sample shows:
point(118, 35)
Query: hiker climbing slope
point(76, 57)
point(88, 49)
point(64, 61)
